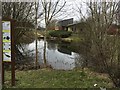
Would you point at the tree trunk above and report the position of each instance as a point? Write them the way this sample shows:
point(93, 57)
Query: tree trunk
point(44, 49)
point(36, 61)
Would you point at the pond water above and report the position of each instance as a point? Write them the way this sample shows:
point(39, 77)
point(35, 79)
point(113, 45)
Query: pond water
point(58, 56)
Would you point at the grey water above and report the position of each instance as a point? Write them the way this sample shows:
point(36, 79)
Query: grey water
point(60, 58)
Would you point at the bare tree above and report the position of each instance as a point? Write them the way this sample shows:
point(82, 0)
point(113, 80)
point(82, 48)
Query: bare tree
point(104, 48)
point(52, 24)
point(23, 14)
point(36, 24)
point(51, 9)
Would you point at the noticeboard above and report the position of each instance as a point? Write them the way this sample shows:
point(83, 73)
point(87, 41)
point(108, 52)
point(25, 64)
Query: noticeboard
point(6, 30)
point(7, 48)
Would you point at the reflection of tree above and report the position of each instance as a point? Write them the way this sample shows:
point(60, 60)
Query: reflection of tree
point(51, 45)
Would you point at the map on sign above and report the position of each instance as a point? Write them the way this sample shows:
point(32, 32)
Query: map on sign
point(6, 41)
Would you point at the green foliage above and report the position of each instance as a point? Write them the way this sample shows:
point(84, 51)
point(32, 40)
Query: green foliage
point(60, 34)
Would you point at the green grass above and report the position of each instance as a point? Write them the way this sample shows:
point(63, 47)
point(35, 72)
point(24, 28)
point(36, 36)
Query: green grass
point(74, 38)
point(47, 78)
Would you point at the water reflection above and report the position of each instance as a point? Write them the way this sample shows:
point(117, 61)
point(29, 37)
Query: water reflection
point(63, 49)
point(58, 56)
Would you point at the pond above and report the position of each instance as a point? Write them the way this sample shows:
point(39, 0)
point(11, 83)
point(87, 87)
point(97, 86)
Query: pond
point(57, 54)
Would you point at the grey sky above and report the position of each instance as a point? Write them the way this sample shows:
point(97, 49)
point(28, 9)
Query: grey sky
point(70, 10)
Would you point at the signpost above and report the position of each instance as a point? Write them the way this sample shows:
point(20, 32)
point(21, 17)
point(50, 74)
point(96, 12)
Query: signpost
point(7, 44)
point(8, 48)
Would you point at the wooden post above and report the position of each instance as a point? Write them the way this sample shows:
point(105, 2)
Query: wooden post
point(12, 54)
point(0, 44)
point(3, 73)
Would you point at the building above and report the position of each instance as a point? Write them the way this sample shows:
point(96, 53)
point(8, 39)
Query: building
point(113, 30)
point(63, 25)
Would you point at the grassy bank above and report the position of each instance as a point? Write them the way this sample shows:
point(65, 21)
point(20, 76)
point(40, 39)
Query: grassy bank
point(48, 78)
point(74, 38)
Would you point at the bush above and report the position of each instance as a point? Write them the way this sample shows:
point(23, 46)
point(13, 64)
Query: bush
point(60, 33)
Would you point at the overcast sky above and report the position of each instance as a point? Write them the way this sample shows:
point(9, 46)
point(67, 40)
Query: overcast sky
point(71, 7)
point(70, 10)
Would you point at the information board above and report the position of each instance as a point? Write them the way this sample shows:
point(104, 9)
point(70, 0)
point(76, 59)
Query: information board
point(6, 30)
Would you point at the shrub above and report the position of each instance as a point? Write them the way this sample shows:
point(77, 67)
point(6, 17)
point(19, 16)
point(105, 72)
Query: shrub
point(60, 33)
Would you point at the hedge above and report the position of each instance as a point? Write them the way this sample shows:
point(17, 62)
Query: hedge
point(60, 33)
